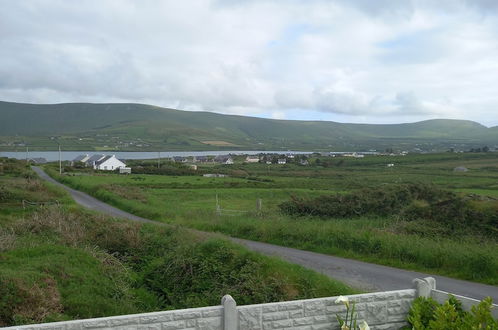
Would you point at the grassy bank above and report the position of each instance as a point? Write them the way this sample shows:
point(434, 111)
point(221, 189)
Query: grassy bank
point(58, 262)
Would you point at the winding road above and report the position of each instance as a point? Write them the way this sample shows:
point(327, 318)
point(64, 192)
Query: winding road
point(362, 275)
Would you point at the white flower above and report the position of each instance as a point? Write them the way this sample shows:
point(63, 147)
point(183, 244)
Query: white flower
point(364, 326)
point(342, 299)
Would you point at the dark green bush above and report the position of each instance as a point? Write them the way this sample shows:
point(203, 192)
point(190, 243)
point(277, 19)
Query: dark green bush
point(408, 202)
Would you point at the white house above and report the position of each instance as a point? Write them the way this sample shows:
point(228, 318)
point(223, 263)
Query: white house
point(282, 161)
point(81, 159)
point(108, 163)
point(91, 161)
point(224, 159)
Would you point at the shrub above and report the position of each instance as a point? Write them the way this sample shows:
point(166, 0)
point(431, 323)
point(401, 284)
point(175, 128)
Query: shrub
point(427, 314)
point(409, 202)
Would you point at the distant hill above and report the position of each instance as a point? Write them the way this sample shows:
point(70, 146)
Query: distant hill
point(127, 126)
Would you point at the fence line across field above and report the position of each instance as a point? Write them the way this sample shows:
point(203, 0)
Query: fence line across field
point(26, 203)
point(229, 212)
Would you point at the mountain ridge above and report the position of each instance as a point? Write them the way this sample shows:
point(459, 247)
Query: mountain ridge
point(166, 127)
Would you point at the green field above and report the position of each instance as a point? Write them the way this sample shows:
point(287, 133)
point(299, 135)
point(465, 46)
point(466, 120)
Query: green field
point(461, 252)
point(60, 262)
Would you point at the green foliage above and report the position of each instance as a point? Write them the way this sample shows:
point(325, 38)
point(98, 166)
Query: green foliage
point(198, 275)
point(412, 240)
point(427, 314)
point(60, 263)
point(408, 202)
point(53, 281)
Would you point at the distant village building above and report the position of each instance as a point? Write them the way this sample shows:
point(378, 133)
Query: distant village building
point(125, 170)
point(460, 169)
point(108, 163)
point(390, 165)
point(193, 167)
point(282, 161)
point(252, 159)
point(304, 162)
point(354, 155)
point(201, 159)
point(178, 159)
point(81, 159)
point(214, 175)
point(92, 161)
point(224, 159)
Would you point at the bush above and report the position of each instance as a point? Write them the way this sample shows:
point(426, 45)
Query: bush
point(427, 314)
point(408, 202)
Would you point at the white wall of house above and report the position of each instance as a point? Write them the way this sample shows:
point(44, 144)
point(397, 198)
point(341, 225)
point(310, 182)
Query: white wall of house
point(110, 165)
point(252, 159)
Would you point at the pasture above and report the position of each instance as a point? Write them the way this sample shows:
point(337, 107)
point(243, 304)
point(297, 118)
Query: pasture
point(420, 244)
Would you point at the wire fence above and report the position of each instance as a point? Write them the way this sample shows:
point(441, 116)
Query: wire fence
point(26, 203)
point(228, 212)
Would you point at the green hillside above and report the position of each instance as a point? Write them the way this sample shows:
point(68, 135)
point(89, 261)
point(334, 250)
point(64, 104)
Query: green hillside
point(123, 126)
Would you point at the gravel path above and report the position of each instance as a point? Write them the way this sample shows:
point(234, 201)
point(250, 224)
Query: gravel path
point(362, 275)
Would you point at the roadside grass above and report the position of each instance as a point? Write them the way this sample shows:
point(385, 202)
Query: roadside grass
point(62, 262)
point(364, 239)
point(191, 201)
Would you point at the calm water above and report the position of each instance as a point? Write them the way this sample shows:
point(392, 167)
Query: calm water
point(70, 155)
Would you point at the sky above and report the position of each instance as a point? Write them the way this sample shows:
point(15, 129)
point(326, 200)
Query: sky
point(362, 61)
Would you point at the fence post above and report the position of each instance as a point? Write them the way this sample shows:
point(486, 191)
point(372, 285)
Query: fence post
point(424, 286)
point(259, 205)
point(230, 320)
point(218, 208)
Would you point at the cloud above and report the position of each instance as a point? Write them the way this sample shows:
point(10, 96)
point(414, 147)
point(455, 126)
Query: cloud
point(390, 61)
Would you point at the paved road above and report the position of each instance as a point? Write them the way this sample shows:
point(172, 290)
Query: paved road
point(358, 274)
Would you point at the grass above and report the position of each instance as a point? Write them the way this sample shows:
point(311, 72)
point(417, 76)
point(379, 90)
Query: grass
point(62, 263)
point(419, 245)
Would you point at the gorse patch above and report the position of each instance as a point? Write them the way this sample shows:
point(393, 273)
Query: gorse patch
point(407, 202)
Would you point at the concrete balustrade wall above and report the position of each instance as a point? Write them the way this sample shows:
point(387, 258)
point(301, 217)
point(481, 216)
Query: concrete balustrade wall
point(381, 310)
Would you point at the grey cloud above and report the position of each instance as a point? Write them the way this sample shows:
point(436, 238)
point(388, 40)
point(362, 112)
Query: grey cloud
point(352, 58)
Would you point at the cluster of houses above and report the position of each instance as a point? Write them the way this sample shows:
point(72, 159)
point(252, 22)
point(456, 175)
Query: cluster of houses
point(101, 162)
point(221, 159)
point(229, 159)
point(111, 163)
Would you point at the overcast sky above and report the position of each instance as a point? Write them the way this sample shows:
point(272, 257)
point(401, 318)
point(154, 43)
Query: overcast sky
point(382, 61)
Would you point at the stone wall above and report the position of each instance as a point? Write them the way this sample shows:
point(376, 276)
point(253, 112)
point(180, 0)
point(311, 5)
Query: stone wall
point(207, 318)
point(381, 310)
point(384, 310)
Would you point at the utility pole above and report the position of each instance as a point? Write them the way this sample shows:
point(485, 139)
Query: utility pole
point(27, 151)
point(60, 160)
